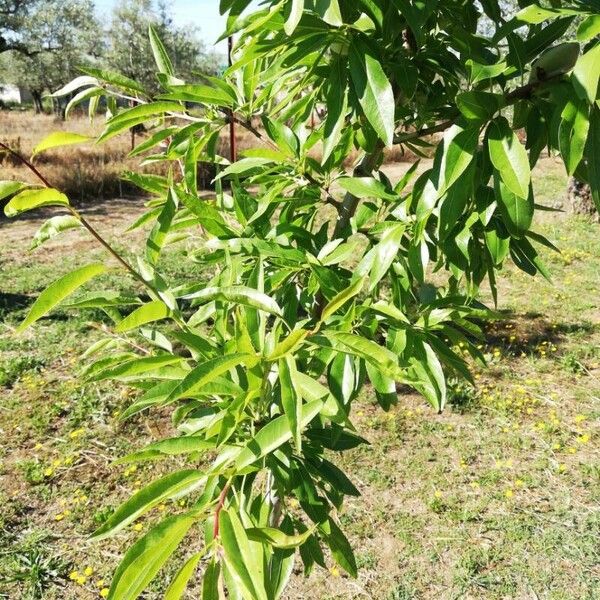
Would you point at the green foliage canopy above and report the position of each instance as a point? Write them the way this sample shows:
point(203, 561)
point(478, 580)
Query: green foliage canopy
point(291, 315)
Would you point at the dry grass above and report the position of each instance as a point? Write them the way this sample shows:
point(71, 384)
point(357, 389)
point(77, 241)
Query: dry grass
point(93, 172)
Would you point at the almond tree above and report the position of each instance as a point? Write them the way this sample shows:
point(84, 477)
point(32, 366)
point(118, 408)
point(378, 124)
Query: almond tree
point(312, 271)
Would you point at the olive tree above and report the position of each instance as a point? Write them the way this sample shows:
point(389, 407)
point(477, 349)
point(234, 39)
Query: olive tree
point(314, 275)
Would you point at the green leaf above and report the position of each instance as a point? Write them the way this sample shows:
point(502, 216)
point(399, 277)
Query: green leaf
point(273, 435)
point(53, 227)
point(180, 582)
point(146, 557)
point(202, 94)
point(185, 444)
point(208, 371)
point(479, 106)
point(136, 366)
point(238, 294)
point(296, 8)
point(344, 296)
point(382, 255)
point(170, 486)
point(587, 73)
point(58, 139)
point(535, 14)
point(240, 558)
point(244, 166)
point(588, 28)
point(115, 79)
point(210, 581)
point(517, 211)
point(159, 232)
point(75, 84)
point(366, 187)
point(337, 107)
point(509, 157)
point(340, 547)
point(573, 132)
point(373, 90)
point(277, 538)
point(381, 357)
point(30, 199)
point(593, 151)
point(56, 292)
point(147, 313)
point(142, 112)
point(288, 344)
point(163, 62)
point(8, 188)
point(290, 400)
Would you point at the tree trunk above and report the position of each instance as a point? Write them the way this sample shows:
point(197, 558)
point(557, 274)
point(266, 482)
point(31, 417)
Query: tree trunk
point(580, 199)
point(37, 101)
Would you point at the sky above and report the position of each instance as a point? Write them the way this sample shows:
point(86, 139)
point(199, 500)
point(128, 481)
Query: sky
point(202, 13)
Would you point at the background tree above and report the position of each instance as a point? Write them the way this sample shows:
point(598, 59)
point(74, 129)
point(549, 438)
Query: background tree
point(13, 13)
point(59, 36)
point(129, 50)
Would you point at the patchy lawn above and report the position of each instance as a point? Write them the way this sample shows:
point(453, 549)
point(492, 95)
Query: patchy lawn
point(498, 497)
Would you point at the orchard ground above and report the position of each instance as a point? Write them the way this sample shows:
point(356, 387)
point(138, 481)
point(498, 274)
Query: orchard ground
point(498, 497)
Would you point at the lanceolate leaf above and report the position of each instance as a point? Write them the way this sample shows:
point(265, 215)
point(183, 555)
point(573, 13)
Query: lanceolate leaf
point(373, 90)
point(290, 400)
point(177, 588)
point(208, 371)
point(173, 485)
point(53, 227)
point(8, 188)
point(573, 132)
point(273, 435)
point(370, 351)
point(56, 292)
point(587, 73)
point(518, 212)
point(277, 538)
point(593, 150)
point(145, 558)
point(163, 62)
point(366, 187)
point(342, 298)
point(296, 7)
point(159, 232)
point(239, 557)
point(30, 199)
point(58, 139)
point(238, 294)
point(509, 157)
point(148, 313)
point(337, 106)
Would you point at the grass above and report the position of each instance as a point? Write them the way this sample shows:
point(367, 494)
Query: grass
point(496, 498)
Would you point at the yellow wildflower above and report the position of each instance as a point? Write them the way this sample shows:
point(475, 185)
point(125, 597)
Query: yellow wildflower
point(104, 592)
point(88, 571)
point(509, 493)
